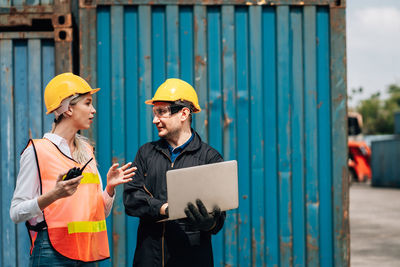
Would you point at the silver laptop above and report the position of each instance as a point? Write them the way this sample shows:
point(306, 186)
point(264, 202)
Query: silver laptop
point(214, 184)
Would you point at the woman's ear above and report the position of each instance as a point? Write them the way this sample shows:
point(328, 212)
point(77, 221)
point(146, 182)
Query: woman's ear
point(68, 113)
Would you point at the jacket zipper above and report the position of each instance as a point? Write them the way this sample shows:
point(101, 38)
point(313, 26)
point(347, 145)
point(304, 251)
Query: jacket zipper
point(162, 245)
point(172, 164)
point(147, 191)
point(163, 231)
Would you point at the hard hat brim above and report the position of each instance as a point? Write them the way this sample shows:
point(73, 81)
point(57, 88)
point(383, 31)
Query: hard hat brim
point(93, 91)
point(149, 102)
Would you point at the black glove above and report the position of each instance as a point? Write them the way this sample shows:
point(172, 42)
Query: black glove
point(200, 218)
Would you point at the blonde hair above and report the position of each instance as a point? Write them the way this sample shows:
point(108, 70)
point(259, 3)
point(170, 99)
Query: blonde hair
point(81, 153)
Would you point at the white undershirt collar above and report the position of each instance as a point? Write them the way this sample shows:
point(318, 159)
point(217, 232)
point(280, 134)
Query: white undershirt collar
point(60, 142)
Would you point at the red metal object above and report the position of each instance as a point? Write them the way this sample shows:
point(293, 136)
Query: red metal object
point(359, 161)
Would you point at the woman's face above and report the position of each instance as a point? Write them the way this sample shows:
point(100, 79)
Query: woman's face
point(83, 112)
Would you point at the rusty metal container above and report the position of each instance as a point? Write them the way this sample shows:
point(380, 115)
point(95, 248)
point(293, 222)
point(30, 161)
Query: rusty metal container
point(270, 76)
point(35, 44)
point(271, 79)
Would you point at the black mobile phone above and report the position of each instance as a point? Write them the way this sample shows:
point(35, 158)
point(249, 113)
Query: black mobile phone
point(75, 172)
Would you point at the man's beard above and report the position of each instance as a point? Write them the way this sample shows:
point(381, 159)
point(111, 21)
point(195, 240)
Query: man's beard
point(172, 134)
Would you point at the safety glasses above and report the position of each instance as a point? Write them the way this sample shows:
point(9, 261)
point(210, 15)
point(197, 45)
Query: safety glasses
point(168, 111)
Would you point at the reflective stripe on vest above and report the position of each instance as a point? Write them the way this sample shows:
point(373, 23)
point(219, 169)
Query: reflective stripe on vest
point(76, 224)
point(90, 178)
point(86, 227)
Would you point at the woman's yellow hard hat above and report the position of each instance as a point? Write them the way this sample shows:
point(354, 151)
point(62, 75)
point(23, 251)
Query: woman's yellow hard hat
point(63, 86)
point(174, 90)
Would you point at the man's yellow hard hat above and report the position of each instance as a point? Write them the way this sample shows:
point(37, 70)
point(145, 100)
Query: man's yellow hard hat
point(174, 90)
point(63, 86)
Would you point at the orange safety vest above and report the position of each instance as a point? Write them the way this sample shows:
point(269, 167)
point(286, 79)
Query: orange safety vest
point(76, 224)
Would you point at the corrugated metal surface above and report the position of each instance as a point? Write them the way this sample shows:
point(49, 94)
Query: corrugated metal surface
point(214, 2)
point(29, 59)
point(271, 80)
point(26, 65)
point(385, 155)
point(24, 3)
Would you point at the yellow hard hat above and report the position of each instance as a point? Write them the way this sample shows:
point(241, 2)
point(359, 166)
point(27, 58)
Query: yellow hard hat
point(63, 86)
point(174, 90)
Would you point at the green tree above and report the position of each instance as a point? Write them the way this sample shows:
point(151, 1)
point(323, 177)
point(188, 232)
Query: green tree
point(378, 114)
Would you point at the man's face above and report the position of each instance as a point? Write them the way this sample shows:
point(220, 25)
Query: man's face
point(168, 125)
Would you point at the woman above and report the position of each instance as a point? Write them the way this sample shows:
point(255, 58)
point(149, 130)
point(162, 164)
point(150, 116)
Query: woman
point(65, 217)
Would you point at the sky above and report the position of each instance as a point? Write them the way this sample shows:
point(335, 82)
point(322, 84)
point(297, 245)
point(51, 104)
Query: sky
point(373, 46)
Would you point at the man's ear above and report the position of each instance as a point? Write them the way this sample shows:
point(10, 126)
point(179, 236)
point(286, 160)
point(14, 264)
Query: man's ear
point(185, 114)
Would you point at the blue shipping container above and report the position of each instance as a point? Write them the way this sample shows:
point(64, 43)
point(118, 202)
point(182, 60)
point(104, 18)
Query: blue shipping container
point(385, 157)
point(271, 82)
point(26, 66)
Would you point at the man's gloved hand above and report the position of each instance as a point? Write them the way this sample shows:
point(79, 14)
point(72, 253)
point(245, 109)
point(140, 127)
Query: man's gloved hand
point(200, 218)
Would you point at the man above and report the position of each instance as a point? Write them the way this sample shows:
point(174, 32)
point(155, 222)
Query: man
point(185, 242)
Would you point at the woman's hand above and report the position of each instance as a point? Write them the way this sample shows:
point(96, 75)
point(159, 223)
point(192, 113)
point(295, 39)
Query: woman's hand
point(60, 190)
point(117, 176)
point(66, 188)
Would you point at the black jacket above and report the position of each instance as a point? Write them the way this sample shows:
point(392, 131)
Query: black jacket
point(171, 243)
